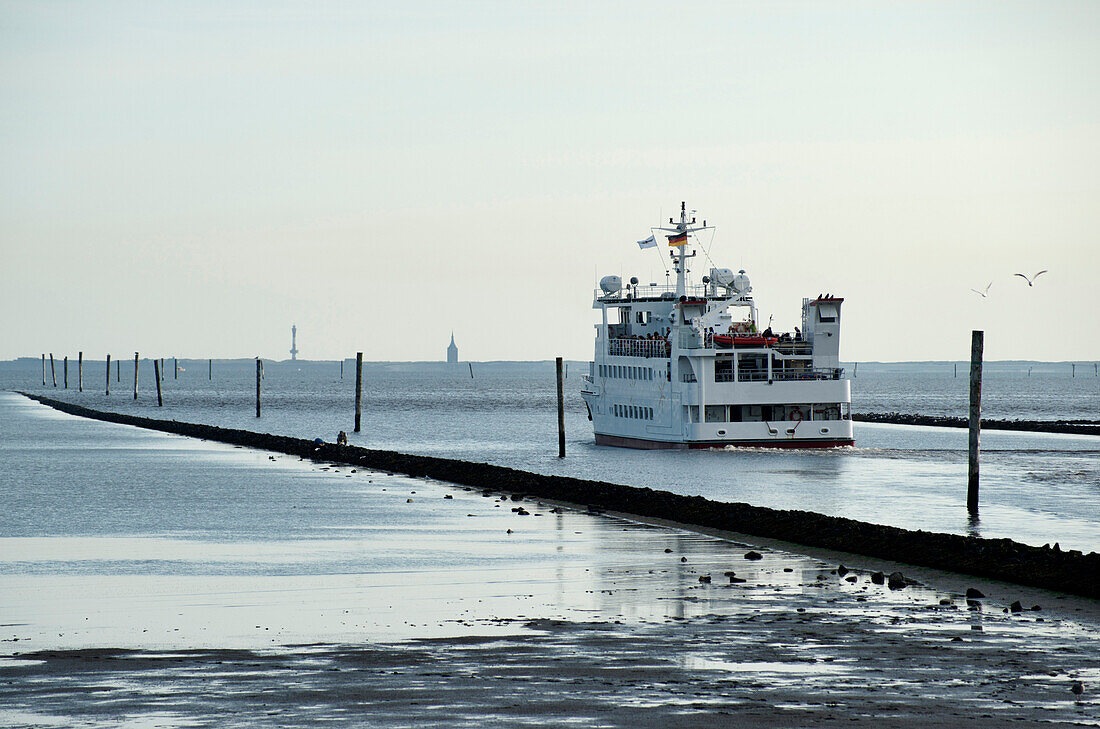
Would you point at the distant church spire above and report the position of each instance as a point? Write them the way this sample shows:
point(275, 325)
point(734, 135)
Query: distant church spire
point(452, 350)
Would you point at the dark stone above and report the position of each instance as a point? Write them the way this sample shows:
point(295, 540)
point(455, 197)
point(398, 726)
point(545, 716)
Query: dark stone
point(448, 496)
point(945, 601)
point(1016, 607)
point(852, 578)
point(1036, 608)
point(842, 570)
point(896, 581)
point(753, 555)
point(683, 559)
point(668, 551)
point(878, 578)
point(705, 579)
point(973, 593)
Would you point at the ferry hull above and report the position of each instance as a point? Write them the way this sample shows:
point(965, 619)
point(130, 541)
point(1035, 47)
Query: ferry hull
point(644, 444)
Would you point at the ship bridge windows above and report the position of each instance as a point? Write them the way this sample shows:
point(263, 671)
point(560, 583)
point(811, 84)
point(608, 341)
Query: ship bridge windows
point(826, 313)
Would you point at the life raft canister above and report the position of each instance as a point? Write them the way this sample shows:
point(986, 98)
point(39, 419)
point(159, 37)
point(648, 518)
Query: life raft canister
point(796, 414)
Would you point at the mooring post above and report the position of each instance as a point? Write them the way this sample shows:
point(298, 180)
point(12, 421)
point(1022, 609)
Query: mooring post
point(358, 388)
point(162, 365)
point(43, 369)
point(561, 412)
point(118, 370)
point(80, 370)
point(259, 370)
point(855, 369)
point(210, 369)
point(956, 370)
point(1073, 372)
point(53, 370)
point(977, 344)
point(135, 375)
point(471, 369)
point(66, 371)
point(108, 374)
point(341, 368)
point(156, 374)
point(176, 368)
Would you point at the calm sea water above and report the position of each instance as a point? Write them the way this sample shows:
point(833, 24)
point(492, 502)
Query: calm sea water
point(1036, 488)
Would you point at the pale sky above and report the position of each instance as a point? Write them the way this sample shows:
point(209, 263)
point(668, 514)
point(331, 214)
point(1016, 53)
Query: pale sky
point(189, 178)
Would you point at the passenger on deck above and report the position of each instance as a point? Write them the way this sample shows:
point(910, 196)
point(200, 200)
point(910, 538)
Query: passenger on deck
point(768, 332)
point(797, 334)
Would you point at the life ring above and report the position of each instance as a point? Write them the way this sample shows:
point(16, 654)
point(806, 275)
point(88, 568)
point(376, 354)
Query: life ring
point(796, 414)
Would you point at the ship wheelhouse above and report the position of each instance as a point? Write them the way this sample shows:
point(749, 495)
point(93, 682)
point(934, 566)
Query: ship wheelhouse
point(689, 366)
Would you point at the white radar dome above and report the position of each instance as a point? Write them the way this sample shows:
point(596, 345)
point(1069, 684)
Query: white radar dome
point(611, 284)
point(740, 283)
point(722, 276)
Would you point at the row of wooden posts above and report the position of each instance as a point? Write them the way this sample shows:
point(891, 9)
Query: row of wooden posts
point(158, 371)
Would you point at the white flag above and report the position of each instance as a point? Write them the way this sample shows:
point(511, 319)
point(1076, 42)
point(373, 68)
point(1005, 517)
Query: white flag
point(649, 242)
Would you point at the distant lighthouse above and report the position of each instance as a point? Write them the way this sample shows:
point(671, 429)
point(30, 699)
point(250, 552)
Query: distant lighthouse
point(452, 350)
point(293, 341)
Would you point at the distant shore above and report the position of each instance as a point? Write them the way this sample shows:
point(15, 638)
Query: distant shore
point(1046, 567)
point(1071, 427)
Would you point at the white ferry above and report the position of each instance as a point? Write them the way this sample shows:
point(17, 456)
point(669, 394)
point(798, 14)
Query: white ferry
point(690, 368)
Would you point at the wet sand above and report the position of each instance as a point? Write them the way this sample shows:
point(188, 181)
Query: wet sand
point(397, 606)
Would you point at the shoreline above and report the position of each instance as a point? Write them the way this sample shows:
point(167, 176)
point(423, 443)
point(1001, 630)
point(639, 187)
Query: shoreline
point(1064, 427)
point(999, 559)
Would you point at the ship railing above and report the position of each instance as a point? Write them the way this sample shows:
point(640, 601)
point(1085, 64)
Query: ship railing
point(793, 347)
point(638, 348)
point(748, 374)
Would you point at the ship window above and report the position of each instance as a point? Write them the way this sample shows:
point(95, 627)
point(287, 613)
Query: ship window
point(735, 413)
point(694, 413)
point(715, 413)
point(826, 312)
point(846, 410)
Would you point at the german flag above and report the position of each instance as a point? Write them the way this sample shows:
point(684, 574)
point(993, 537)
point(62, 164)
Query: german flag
point(678, 240)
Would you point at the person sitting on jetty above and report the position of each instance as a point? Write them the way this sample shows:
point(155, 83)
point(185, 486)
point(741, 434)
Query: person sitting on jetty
point(342, 439)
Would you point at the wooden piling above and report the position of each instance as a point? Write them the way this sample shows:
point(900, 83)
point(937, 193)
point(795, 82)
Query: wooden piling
point(175, 368)
point(471, 369)
point(118, 370)
point(358, 388)
point(156, 374)
point(53, 370)
point(259, 370)
point(135, 375)
point(43, 369)
point(66, 371)
point(956, 370)
point(108, 374)
point(341, 369)
point(80, 371)
point(977, 344)
point(855, 369)
point(1073, 372)
point(561, 412)
point(210, 369)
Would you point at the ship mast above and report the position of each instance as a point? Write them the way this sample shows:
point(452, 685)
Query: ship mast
point(679, 239)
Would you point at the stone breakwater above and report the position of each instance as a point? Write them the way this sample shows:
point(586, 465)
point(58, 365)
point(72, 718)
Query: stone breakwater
point(1072, 427)
point(1000, 559)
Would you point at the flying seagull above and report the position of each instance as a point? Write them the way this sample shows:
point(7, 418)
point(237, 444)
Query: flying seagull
point(1030, 281)
point(985, 293)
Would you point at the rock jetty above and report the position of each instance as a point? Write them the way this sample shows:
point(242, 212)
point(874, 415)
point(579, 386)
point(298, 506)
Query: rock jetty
point(999, 559)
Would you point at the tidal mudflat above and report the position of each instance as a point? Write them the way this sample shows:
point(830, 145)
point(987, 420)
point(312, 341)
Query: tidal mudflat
point(153, 580)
